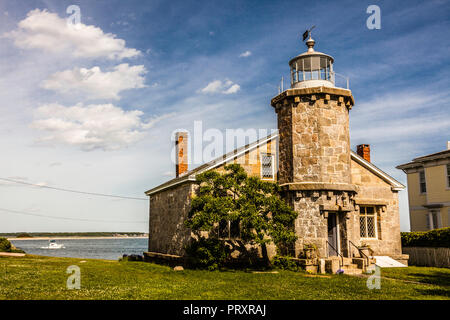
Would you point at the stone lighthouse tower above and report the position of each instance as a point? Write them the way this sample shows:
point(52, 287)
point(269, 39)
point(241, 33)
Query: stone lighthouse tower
point(314, 152)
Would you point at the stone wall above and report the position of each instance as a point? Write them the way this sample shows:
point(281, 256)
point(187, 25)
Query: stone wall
point(285, 168)
point(314, 157)
point(314, 208)
point(376, 192)
point(314, 136)
point(168, 211)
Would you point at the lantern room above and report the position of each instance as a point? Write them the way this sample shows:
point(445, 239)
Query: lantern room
point(312, 69)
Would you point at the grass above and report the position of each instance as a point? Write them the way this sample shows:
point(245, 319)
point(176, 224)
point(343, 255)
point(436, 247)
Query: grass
point(35, 277)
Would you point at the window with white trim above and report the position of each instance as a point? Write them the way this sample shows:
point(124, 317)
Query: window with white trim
point(422, 182)
point(267, 166)
point(367, 222)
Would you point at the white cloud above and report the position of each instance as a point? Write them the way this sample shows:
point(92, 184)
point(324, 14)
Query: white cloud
point(213, 87)
point(245, 54)
point(47, 31)
point(96, 84)
point(224, 87)
point(92, 127)
point(398, 116)
point(233, 89)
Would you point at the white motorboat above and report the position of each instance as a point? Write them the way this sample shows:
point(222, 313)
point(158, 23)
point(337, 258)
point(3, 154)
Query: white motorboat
point(53, 245)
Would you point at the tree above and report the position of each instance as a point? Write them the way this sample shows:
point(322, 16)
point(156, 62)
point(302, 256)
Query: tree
point(263, 216)
point(6, 246)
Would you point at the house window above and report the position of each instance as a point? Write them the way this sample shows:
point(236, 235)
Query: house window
point(423, 183)
point(229, 229)
point(433, 220)
point(367, 222)
point(267, 169)
point(448, 175)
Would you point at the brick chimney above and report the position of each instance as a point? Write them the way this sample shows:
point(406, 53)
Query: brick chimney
point(363, 151)
point(181, 153)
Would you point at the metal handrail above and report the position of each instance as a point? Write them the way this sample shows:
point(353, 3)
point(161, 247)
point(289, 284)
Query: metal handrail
point(360, 252)
point(330, 76)
point(342, 257)
point(347, 79)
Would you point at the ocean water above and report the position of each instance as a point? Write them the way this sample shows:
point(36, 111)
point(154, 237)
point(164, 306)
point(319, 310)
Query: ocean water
point(109, 249)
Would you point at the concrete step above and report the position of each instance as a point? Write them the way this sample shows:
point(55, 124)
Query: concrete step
point(352, 271)
point(347, 261)
point(352, 266)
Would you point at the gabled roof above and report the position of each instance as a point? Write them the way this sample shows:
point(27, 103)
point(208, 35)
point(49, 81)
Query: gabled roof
point(396, 186)
point(190, 175)
point(418, 162)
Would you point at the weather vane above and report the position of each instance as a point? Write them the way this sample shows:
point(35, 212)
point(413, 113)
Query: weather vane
point(308, 33)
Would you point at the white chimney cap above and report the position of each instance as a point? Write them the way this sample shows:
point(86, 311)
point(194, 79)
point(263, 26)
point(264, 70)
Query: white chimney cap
point(448, 145)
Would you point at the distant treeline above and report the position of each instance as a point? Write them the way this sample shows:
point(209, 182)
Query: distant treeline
point(69, 234)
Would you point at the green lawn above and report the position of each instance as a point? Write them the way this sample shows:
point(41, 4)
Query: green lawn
point(34, 277)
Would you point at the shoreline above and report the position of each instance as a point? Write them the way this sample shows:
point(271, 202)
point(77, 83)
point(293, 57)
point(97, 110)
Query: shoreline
point(71, 238)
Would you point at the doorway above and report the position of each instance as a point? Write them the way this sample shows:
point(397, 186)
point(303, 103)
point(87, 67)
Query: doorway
point(333, 232)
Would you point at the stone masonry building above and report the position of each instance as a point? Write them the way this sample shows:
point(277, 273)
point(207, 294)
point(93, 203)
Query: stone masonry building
point(344, 202)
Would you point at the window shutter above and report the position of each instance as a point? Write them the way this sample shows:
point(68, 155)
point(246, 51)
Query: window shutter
point(448, 218)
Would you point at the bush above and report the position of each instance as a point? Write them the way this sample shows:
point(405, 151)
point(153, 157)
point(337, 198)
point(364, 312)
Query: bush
point(285, 263)
point(131, 257)
point(24, 235)
point(6, 246)
point(208, 254)
point(433, 238)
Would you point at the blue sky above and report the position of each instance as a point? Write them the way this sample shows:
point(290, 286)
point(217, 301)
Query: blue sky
point(147, 63)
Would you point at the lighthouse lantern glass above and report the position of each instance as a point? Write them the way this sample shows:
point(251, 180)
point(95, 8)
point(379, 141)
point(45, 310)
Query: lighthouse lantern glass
point(312, 67)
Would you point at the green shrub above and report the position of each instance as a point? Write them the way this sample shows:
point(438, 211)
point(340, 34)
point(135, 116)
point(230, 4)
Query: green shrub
point(285, 263)
point(433, 238)
point(208, 254)
point(6, 246)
